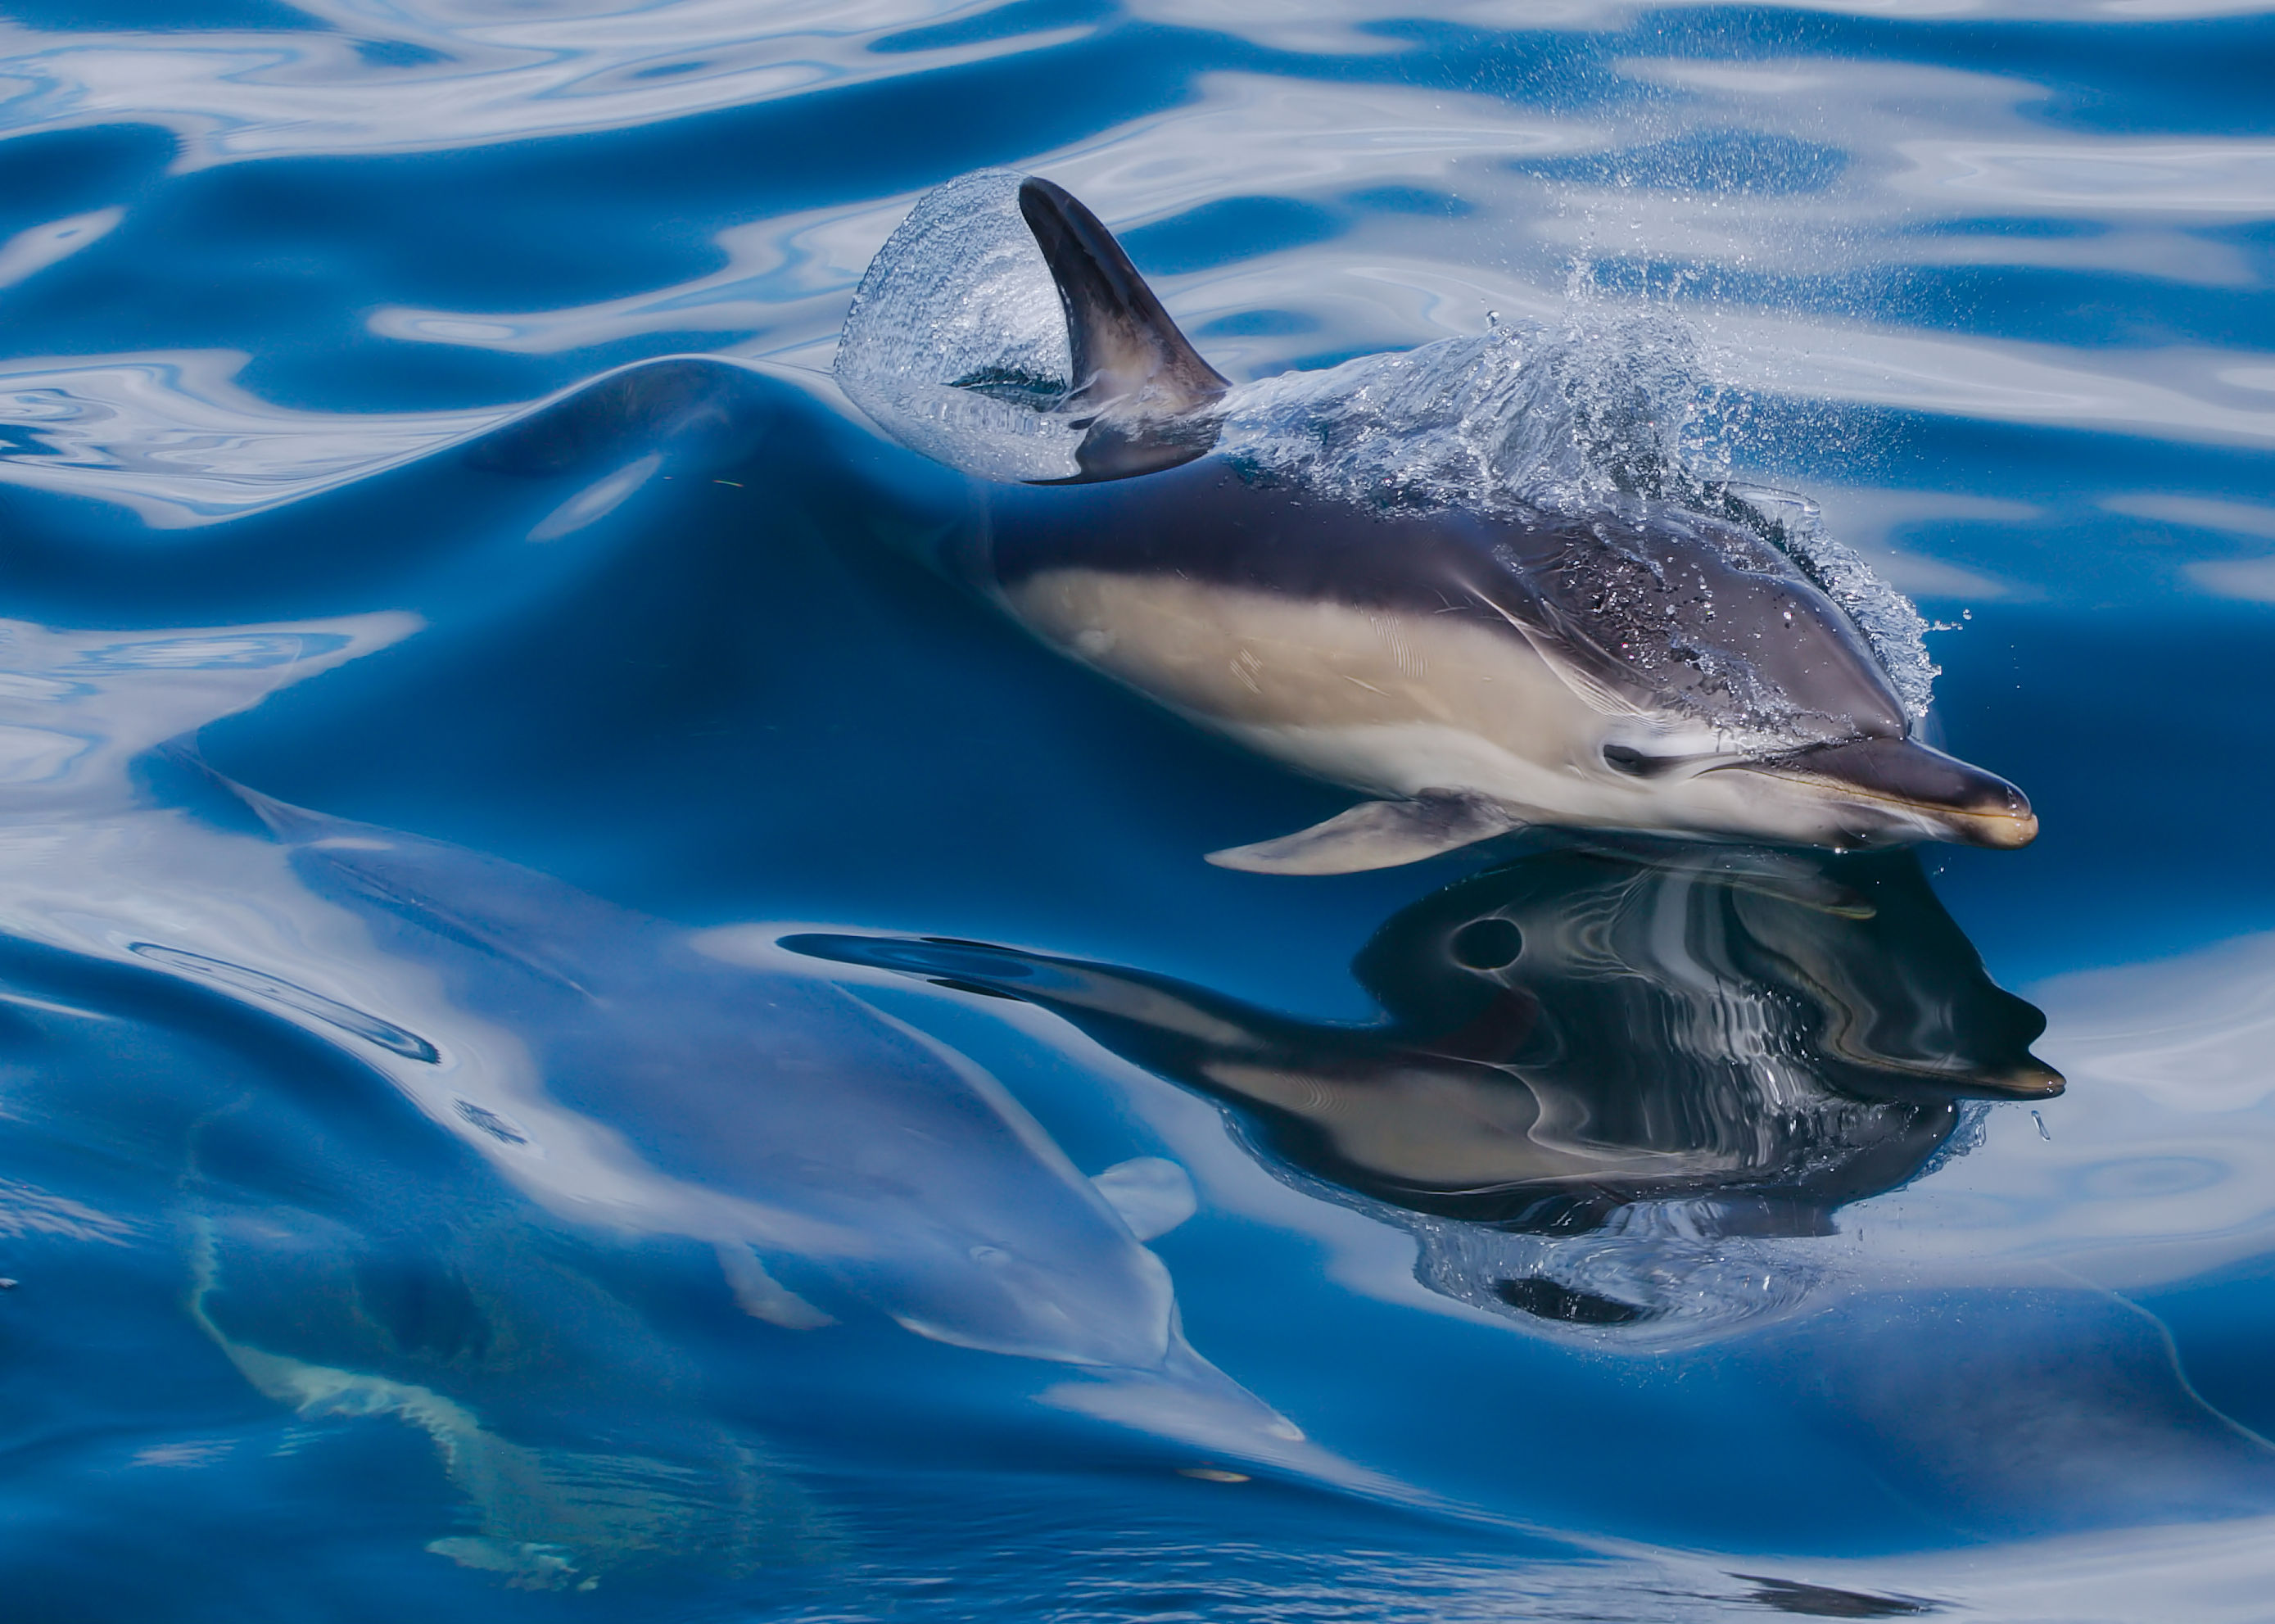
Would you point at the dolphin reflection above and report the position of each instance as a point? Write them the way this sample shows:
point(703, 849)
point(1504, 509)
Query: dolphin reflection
point(1730, 1044)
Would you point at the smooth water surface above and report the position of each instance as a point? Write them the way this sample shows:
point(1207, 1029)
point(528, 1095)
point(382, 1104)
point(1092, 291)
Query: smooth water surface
point(584, 1034)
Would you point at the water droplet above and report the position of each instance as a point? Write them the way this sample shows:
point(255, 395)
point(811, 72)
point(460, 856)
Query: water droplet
point(2041, 1121)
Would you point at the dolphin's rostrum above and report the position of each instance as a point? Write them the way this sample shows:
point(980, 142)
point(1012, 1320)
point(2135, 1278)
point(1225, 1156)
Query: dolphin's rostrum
point(1644, 655)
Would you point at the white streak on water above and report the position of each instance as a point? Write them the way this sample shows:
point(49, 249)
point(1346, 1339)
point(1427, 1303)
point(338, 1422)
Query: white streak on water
point(2094, 177)
point(465, 76)
point(170, 435)
point(33, 250)
point(1349, 27)
point(2242, 518)
point(2251, 579)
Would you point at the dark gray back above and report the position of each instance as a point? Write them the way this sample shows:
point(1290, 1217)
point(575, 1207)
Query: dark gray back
point(1670, 609)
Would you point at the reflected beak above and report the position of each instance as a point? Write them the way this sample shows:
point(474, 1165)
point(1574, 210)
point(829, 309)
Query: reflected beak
point(1972, 806)
point(2032, 1080)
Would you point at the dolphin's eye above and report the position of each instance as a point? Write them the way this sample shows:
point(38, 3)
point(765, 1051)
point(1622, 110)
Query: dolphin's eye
point(1633, 763)
point(1488, 943)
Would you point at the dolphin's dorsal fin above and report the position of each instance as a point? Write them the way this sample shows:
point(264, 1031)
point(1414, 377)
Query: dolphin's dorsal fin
point(1140, 377)
point(1376, 834)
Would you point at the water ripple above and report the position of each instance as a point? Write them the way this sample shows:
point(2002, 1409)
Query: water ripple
point(446, 77)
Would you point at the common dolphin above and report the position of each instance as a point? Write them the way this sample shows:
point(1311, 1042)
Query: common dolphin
point(554, 1409)
point(775, 1116)
point(1620, 660)
point(607, 1070)
point(1757, 1038)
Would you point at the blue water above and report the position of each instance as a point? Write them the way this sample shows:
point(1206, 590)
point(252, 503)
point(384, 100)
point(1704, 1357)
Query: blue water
point(400, 821)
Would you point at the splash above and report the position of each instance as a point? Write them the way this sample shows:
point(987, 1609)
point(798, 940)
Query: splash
point(1655, 1279)
point(1610, 410)
point(26, 1210)
point(956, 346)
point(956, 343)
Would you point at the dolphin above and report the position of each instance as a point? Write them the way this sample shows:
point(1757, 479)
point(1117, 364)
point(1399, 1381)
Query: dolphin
point(1633, 662)
point(772, 1113)
point(834, 1158)
point(476, 1334)
point(775, 1116)
point(1753, 1039)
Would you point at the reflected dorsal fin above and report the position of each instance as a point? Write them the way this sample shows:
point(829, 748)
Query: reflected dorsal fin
point(1131, 366)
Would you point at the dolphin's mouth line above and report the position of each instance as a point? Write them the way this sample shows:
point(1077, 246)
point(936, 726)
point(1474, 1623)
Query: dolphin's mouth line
point(1789, 767)
point(1795, 767)
point(1940, 809)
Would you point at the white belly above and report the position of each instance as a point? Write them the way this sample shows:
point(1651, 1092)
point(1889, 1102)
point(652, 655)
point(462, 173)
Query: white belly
point(1390, 701)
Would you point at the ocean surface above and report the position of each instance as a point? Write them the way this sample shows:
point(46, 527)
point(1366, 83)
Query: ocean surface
point(585, 1034)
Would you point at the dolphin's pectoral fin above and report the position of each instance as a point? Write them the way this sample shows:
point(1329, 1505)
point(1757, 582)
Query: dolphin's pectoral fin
point(762, 1297)
point(1152, 1195)
point(1376, 834)
point(1140, 378)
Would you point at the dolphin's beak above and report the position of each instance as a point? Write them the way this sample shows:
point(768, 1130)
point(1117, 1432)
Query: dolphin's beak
point(1976, 807)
